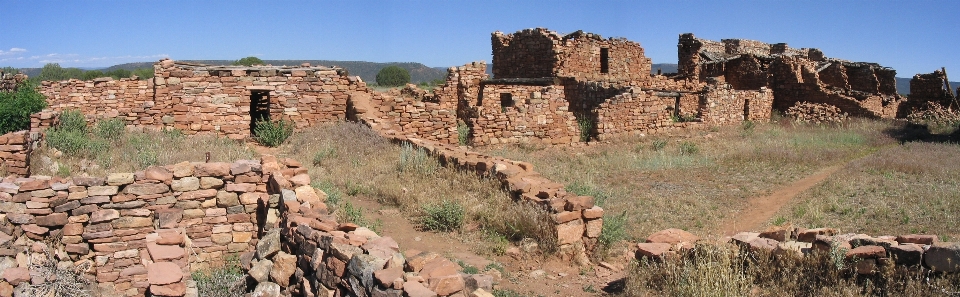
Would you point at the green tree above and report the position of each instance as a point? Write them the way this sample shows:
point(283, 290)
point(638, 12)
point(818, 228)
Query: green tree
point(393, 76)
point(144, 73)
point(89, 75)
point(52, 71)
point(73, 73)
point(9, 69)
point(119, 73)
point(16, 108)
point(249, 61)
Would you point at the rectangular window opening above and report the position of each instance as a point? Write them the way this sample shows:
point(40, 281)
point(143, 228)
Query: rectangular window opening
point(506, 100)
point(604, 60)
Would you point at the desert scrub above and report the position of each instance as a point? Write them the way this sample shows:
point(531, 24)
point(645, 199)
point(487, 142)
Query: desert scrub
point(225, 281)
point(110, 129)
point(586, 126)
point(444, 216)
point(463, 133)
point(272, 133)
point(415, 159)
point(725, 270)
point(61, 280)
point(16, 108)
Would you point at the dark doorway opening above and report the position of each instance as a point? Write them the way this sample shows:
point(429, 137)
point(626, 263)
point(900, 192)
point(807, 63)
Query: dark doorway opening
point(506, 100)
point(604, 60)
point(259, 108)
point(746, 109)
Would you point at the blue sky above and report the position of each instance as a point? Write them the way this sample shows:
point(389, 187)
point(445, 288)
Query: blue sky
point(910, 36)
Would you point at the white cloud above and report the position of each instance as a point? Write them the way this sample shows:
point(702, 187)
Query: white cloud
point(12, 51)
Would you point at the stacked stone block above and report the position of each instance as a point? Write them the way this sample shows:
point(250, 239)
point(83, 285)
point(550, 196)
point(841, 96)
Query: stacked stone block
point(15, 150)
point(928, 87)
point(10, 81)
point(533, 114)
point(201, 99)
point(867, 255)
point(311, 254)
point(727, 105)
point(537, 53)
point(137, 231)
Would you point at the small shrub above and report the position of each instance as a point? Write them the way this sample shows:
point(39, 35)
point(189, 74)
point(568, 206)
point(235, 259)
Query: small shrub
point(614, 230)
point(658, 144)
point(63, 170)
point(586, 128)
point(444, 216)
point(333, 194)
point(583, 189)
point(71, 143)
point(72, 120)
point(415, 159)
point(272, 133)
point(467, 268)
point(689, 148)
point(323, 154)
point(463, 133)
point(226, 281)
point(59, 281)
point(111, 129)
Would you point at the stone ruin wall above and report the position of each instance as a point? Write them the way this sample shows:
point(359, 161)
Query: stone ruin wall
point(534, 113)
point(10, 81)
point(927, 88)
point(860, 89)
point(725, 105)
point(15, 150)
point(171, 219)
point(538, 53)
point(208, 99)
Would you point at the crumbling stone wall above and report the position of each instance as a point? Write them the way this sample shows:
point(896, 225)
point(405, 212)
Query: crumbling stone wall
point(860, 89)
point(725, 104)
point(537, 53)
point(634, 110)
point(146, 231)
point(928, 87)
point(15, 150)
point(200, 99)
point(513, 113)
point(10, 81)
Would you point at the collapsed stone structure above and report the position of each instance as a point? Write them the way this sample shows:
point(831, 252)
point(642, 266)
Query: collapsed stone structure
point(10, 81)
point(865, 254)
point(794, 75)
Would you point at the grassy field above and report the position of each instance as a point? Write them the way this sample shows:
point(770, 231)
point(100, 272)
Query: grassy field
point(696, 179)
point(910, 188)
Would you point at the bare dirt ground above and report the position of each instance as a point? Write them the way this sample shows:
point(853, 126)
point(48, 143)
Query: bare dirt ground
point(761, 209)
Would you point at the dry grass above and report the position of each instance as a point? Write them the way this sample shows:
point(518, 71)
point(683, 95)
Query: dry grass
point(138, 150)
point(912, 188)
point(727, 271)
point(696, 179)
point(354, 161)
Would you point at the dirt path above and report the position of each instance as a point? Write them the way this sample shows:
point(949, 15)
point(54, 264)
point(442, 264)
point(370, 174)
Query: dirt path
point(760, 209)
point(527, 275)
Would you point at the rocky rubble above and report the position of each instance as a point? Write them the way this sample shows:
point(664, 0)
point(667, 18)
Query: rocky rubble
point(311, 254)
point(816, 113)
point(865, 253)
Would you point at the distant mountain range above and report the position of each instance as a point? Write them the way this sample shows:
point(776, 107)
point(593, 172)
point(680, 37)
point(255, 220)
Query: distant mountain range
point(366, 70)
point(418, 72)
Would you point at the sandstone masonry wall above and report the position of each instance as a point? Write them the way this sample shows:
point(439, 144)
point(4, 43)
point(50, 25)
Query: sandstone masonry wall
point(200, 99)
point(10, 81)
point(537, 53)
point(728, 105)
point(146, 231)
point(15, 150)
point(928, 87)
